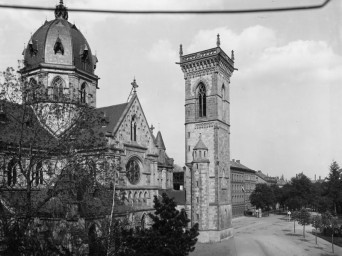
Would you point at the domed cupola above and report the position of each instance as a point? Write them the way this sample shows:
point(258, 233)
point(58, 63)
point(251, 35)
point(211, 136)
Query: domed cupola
point(58, 54)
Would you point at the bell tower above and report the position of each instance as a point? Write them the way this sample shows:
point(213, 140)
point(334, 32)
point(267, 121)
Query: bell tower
point(207, 78)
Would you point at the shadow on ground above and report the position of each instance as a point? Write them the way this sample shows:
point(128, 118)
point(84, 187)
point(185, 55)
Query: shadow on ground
point(291, 234)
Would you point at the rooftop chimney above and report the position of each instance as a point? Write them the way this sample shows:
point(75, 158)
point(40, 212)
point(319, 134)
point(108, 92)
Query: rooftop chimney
point(238, 161)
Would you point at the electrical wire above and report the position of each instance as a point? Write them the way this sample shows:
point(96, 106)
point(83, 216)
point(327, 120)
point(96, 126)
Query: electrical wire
point(237, 11)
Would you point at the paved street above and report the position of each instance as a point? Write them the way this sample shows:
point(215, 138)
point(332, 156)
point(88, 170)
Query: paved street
point(268, 236)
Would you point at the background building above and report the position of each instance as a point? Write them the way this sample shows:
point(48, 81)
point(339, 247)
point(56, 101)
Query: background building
point(243, 181)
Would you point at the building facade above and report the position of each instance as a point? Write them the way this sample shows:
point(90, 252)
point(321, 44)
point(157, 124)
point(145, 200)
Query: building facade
point(59, 58)
point(243, 181)
point(207, 176)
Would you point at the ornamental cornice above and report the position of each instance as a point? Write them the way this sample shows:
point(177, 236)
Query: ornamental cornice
point(206, 60)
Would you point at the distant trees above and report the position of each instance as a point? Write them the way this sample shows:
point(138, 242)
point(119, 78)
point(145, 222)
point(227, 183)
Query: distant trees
point(263, 197)
point(301, 192)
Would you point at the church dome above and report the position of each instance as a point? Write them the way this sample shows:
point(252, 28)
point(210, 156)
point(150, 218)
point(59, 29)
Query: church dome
point(59, 43)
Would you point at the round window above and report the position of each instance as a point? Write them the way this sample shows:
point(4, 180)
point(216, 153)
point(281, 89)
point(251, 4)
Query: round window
point(133, 171)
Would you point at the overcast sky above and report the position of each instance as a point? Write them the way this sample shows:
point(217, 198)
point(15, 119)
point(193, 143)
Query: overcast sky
point(286, 97)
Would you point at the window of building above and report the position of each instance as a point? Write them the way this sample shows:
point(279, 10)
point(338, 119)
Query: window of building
point(134, 128)
point(83, 93)
point(57, 89)
point(37, 174)
point(188, 134)
point(133, 171)
point(202, 100)
point(12, 173)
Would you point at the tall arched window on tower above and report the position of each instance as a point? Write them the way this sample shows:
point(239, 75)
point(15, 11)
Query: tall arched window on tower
point(57, 89)
point(83, 93)
point(202, 100)
point(134, 128)
point(12, 172)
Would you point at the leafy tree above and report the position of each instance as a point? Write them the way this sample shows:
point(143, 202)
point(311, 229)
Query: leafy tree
point(262, 197)
point(329, 224)
point(316, 222)
point(169, 234)
point(51, 152)
point(304, 219)
point(295, 217)
point(298, 193)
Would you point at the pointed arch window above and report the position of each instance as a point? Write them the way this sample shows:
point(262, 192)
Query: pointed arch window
point(202, 100)
point(57, 89)
point(37, 174)
point(134, 128)
point(12, 172)
point(223, 91)
point(83, 93)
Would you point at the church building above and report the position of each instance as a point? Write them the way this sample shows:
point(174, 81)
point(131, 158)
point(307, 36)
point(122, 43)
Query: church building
point(59, 57)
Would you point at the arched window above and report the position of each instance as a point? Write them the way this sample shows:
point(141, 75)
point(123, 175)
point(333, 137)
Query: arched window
point(57, 89)
point(37, 174)
point(133, 171)
point(143, 221)
point(32, 89)
point(83, 93)
point(202, 100)
point(12, 173)
point(134, 128)
point(223, 92)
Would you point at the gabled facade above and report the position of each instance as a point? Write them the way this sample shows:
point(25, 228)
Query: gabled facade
point(59, 61)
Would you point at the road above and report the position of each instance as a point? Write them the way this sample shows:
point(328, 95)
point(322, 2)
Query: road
point(268, 236)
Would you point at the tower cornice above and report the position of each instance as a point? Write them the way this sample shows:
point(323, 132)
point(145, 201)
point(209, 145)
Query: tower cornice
point(207, 60)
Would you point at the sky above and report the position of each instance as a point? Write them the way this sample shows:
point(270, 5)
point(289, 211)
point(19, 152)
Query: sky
point(286, 97)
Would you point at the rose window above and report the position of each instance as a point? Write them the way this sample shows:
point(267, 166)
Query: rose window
point(133, 171)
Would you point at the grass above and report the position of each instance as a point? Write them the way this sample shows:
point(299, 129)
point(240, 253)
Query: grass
point(337, 240)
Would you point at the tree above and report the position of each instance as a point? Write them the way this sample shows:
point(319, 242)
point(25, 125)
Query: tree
point(329, 224)
point(295, 217)
point(262, 197)
point(299, 192)
point(333, 186)
point(169, 234)
point(304, 219)
point(316, 222)
point(52, 155)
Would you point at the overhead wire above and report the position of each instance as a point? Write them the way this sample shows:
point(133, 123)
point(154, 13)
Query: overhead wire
point(227, 11)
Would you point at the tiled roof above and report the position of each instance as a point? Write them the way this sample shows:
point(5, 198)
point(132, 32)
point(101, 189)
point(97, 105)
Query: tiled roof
point(237, 165)
point(112, 114)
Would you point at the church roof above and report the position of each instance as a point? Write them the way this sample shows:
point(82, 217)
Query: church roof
point(159, 141)
point(112, 114)
point(58, 42)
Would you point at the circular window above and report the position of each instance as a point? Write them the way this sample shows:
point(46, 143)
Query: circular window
point(133, 171)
